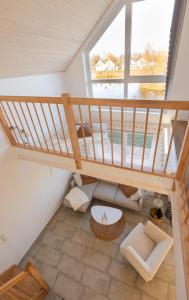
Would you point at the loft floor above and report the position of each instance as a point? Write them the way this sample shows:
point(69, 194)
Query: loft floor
point(78, 266)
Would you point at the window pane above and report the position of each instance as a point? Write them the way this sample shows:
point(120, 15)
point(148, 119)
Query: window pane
point(107, 56)
point(151, 22)
point(108, 90)
point(148, 91)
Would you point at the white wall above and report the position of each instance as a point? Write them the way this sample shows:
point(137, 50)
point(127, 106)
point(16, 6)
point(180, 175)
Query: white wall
point(29, 195)
point(39, 85)
point(4, 142)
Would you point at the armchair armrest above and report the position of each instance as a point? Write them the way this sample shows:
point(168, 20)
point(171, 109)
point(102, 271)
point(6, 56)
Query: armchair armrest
point(159, 253)
point(155, 233)
point(138, 263)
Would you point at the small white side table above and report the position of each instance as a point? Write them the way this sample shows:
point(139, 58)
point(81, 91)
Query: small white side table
point(158, 203)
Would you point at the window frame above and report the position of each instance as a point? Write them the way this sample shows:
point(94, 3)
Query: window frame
point(127, 57)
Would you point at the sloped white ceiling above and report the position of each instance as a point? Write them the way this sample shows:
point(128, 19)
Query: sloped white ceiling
point(42, 36)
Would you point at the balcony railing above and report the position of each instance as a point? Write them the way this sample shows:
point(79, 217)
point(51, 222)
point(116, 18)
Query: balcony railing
point(131, 134)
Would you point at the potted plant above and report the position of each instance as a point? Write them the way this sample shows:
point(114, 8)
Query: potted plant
point(156, 215)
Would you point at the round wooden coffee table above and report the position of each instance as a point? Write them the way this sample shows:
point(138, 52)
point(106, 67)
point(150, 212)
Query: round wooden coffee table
point(107, 223)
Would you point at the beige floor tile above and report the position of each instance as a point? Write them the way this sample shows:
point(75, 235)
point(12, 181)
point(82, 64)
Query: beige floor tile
point(170, 258)
point(49, 256)
point(64, 230)
point(124, 273)
point(75, 221)
point(122, 291)
point(68, 288)
point(96, 259)
point(73, 249)
point(156, 288)
point(52, 296)
point(96, 280)
point(90, 294)
point(106, 247)
point(71, 267)
point(53, 240)
point(166, 272)
point(172, 292)
point(83, 238)
point(146, 297)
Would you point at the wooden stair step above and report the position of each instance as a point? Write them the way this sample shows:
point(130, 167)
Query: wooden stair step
point(22, 285)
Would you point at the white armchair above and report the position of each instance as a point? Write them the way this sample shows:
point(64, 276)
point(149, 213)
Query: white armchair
point(145, 248)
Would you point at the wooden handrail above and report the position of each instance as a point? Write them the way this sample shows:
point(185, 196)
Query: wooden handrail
point(155, 104)
point(32, 99)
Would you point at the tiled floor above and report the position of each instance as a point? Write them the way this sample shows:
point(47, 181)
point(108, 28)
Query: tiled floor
point(78, 266)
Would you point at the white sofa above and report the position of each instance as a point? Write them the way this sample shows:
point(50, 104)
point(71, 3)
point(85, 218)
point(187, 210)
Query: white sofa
point(145, 248)
point(108, 192)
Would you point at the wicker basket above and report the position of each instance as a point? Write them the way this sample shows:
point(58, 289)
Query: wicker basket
point(154, 216)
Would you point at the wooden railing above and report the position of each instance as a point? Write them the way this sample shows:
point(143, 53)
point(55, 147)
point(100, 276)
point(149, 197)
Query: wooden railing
point(131, 134)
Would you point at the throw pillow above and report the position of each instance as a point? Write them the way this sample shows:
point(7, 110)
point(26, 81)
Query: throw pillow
point(85, 132)
point(127, 190)
point(87, 179)
point(78, 179)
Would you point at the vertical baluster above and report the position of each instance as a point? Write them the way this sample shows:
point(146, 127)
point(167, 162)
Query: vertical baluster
point(33, 125)
point(4, 110)
point(111, 132)
point(28, 125)
point(40, 126)
point(122, 136)
point(15, 123)
point(133, 136)
point(91, 128)
point(64, 136)
point(83, 131)
point(171, 140)
point(21, 123)
point(44, 116)
point(144, 143)
point(157, 139)
point(54, 125)
point(102, 142)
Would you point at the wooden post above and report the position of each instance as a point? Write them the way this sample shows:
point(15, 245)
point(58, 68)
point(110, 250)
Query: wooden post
point(184, 153)
point(72, 130)
point(6, 127)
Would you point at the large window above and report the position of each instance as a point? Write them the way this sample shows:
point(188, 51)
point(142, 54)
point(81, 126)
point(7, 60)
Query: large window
point(130, 58)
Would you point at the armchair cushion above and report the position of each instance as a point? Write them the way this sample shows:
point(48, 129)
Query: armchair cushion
point(139, 241)
point(137, 262)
